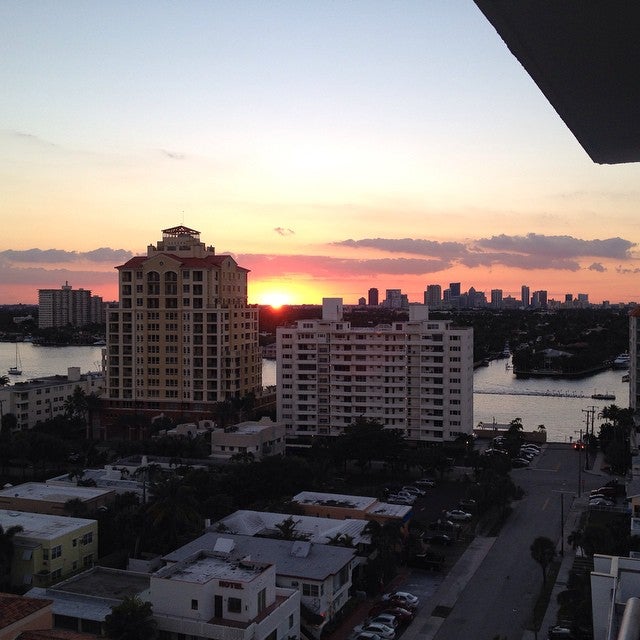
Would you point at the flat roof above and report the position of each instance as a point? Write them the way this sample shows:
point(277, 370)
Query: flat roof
point(315, 529)
point(291, 558)
point(337, 500)
point(51, 493)
point(40, 525)
point(91, 594)
point(204, 566)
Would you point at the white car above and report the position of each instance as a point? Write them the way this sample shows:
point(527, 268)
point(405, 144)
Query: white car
point(402, 595)
point(385, 618)
point(414, 490)
point(601, 502)
point(458, 514)
point(425, 482)
point(382, 630)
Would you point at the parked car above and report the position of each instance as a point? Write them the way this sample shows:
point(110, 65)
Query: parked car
point(519, 463)
point(601, 502)
point(459, 515)
point(414, 490)
point(439, 539)
point(403, 615)
point(427, 560)
point(609, 492)
point(425, 482)
point(385, 618)
point(468, 504)
point(444, 526)
point(404, 500)
point(405, 595)
point(382, 630)
point(559, 633)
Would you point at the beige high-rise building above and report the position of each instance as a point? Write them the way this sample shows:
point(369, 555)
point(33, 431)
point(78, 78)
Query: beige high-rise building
point(182, 337)
point(64, 306)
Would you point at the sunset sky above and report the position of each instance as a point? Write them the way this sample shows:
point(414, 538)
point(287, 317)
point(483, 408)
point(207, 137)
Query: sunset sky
point(329, 146)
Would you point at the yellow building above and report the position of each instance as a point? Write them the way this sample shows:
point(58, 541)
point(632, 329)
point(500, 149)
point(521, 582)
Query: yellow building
point(49, 547)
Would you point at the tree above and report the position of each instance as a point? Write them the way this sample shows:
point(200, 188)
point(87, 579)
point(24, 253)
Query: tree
point(173, 513)
point(6, 553)
point(287, 529)
point(131, 620)
point(4, 381)
point(543, 551)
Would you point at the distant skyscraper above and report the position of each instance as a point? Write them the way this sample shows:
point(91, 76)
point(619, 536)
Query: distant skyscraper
point(395, 299)
point(60, 307)
point(496, 298)
point(433, 296)
point(539, 299)
point(454, 288)
point(362, 301)
point(525, 296)
point(373, 297)
point(568, 297)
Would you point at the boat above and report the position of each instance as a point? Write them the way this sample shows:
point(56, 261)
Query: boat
point(622, 361)
point(603, 396)
point(17, 369)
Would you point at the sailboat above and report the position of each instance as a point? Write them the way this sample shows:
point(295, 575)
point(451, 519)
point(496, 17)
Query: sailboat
point(17, 370)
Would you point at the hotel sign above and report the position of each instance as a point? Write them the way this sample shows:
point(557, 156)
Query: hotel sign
point(227, 584)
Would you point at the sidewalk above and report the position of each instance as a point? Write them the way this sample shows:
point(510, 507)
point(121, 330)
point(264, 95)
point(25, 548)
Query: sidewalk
point(426, 625)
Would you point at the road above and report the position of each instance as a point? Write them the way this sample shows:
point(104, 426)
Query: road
point(499, 598)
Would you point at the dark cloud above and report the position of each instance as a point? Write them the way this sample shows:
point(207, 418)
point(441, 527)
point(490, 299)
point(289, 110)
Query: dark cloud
point(597, 266)
point(518, 261)
point(620, 269)
point(284, 232)
point(558, 246)
point(432, 248)
point(54, 256)
point(273, 265)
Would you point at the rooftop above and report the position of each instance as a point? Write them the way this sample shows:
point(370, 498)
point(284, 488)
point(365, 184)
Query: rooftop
point(291, 558)
point(362, 503)
point(15, 608)
point(51, 493)
point(39, 525)
point(203, 566)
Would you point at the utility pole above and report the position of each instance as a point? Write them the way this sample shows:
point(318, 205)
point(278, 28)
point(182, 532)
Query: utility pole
point(589, 420)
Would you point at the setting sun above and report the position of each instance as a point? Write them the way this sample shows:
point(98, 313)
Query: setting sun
point(274, 299)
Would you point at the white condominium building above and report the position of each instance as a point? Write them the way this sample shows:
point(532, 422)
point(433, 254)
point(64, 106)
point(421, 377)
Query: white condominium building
point(182, 337)
point(415, 375)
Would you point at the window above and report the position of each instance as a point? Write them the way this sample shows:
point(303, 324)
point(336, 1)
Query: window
point(262, 600)
point(234, 605)
point(194, 605)
point(310, 590)
point(56, 551)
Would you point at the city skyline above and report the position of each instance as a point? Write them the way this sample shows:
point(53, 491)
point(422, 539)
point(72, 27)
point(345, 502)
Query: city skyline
point(329, 149)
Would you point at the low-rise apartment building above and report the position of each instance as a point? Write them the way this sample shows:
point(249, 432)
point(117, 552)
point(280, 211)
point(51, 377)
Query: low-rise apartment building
point(37, 497)
point(44, 398)
point(210, 594)
point(321, 573)
point(49, 547)
point(340, 507)
point(258, 438)
point(415, 376)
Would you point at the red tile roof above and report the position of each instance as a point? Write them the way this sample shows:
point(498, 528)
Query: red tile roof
point(204, 263)
point(14, 608)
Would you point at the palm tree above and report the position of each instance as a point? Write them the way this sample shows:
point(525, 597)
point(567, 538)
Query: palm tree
point(287, 529)
point(575, 539)
point(173, 512)
point(543, 551)
point(4, 381)
point(6, 553)
point(131, 620)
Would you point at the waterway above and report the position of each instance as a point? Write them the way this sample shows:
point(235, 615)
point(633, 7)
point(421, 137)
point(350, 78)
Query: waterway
point(560, 405)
